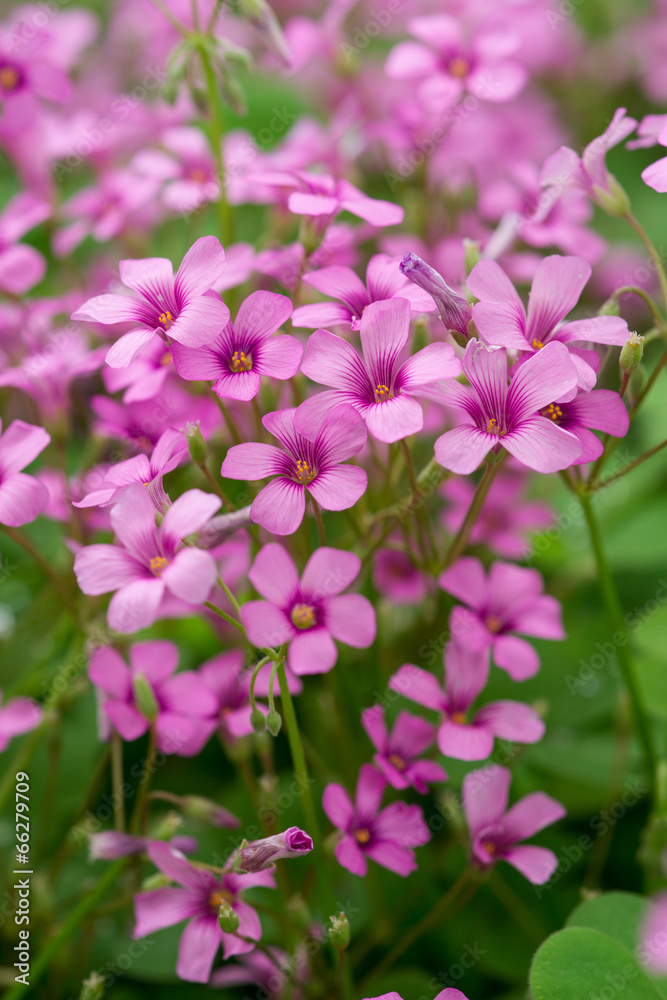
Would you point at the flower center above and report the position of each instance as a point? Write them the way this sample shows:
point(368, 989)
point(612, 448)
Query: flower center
point(362, 836)
point(10, 78)
point(166, 320)
point(397, 761)
point(489, 847)
point(383, 392)
point(303, 616)
point(494, 428)
point(493, 623)
point(217, 898)
point(304, 472)
point(157, 564)
point(240, 362)
point(459, 718)
point(196, 174)
point(537, 344)
point(166, 359)
point(459, 67)
point(552, 411)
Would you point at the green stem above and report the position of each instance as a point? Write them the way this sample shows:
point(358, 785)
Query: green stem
point(216, 133)
point(648, 299)
point(460, 540)
point(55, 946)
point(138, 821)
point(228, 618)
point(229, 420)
point(633, 465)
point(117, 782)
point(623, 652)
point(321, 534)
point(298, 757)
point(655, 256)
point(230, 597)
point(216, 486)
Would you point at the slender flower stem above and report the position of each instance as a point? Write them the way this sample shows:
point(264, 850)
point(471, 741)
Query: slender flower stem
point(44, 565)
point(216, 134)
point(318, 520)
point(216, 486)
point(256, 669)
point(229, 420)
point(230, 597)
point(228, 618)
point(648, 299)
point(655, 256)
point(633, 465)
point(624, 654)
point(298, 756)
point(139, 817)
point(117, 782)
point(173, 20)
point(460, 540)
point(425, 924)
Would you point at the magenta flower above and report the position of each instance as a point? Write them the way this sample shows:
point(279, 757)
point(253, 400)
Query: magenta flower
point(150, 561)
point(21, 265)
point(17, 716)
point(447, 994)
point(653, 129)
point(500, 416)
point(188, 174)
point(198, 902)
point(168, 453)
point(258, 855)
point(22, 497)
point(502, 320)
point(184, 701)
point(314, 448)
point(143, 378)
point(601, 409)
point(506, 517)
point(382, 383)
point(453, 309)
point(112, 844)
point(397, 577)
point(384, 280)
point(495, 831)
point(240, 354)
point(387, 836)
point(398, 752)
point(181, 308)
point(324, 197)
point(507, 600)
point(463, 735)
point(451, 64)
point(308, 613)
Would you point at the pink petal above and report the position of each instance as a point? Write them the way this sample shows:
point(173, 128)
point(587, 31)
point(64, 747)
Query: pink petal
point(163, 908)
point(320, 314)
point(370, 789)
point(109, 309)
point(350, 856)
point(182, 734)
point(597, 330)
point(497, 81)
point(339, 436)
point(127, 721)
point(373, 721)
point(19, 715)
point(200, 320)
point(394, 419)
point(174, 864)
point(188, 514)
point(549, 374)
point(102, 568)
point(238, 385)
point(464, 742)
point(542, 446)
point(557, 285)
point(384, 331)
point(516, 656)
point(156, 660)
point(274, 575)
point(125, 350)
point(21, 268)
point(188, 693)
point(537, 863)
point(20, 445)
point(22, 499)
point(312, 651)
point(340, 283)
point(330, 360)
point(133, 521)
point(466, 580)
point(135, 606)
point(201, 268)
point(511, 720)
point(266, 624)
point(418, 685)
point(340, 487)
point(656, 175)
point(409, 60)
point(108, 670)
point(433, 362)
point(278, 357)
point(350, 618)
point(199, 943)
point(305, 203)
point(338, 806)
point(542, 617)
point(396, 858)
point(463, 449)
point(328, 572)
point(279, 507)
point(485, 794)
point(261, 315)
point(252, 461)
point(530, 815)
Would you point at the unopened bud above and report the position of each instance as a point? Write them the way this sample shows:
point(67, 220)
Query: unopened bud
point(613, 200)
point(156, 881)
point(454, 311)
point(168, 826)
point(144, 697)
point(472, 254)
point(92, 988)
point(196, 443)
point(610, 308)
point(273, 722)
point(631, 353)
point(260, 854)
point(228, 919)
point(197, 807)
point(339, 932)
point(258, 720)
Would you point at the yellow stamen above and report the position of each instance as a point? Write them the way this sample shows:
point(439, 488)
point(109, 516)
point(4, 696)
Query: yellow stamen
point(157, 564)
point(303, 616)
point(459, 717)
point(166, 359)
point(493, 623)
point(383, 392)
point(553, 411)
point(304, 473)
point(165, 319)
point(489, 846)
point(537, 344)
point(493, 428)
point(220, 896)
point(362, 836)
point(397, 761)
point(9, 78)
point(239, 362)
point(459, 67)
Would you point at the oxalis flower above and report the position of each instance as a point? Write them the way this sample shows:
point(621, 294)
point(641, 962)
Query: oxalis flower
point(398, 752)
point(508, 599)
point(498, 415)
point(315, 447)
point(149, 560)
point(495, 830)
point(198, 901)
point(382, 382)
point(182, 308)
point(308, 613)
point(17, 716)
point(22, 497)
point(387, 836)
point(242, 352)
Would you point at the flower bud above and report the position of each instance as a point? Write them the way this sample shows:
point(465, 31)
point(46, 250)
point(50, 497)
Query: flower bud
point(339, 932)
point(614, 200)
point(228, 919)
point(144, 697)
point(472, 254)
point(273, 722)
point(454, 311)
point(158, 880)
point(610, 308)
point(631, 353)
point(92, 988)
point(196, 443)
point(197, 807)
point(258, 720)
point(260, 854)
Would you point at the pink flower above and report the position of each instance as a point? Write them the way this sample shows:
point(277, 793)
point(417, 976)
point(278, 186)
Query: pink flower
point(324, 197)
point(653, 129)
point(17, 716)
point(502, 320)
point(384, 280)
point(112, 844)
point(382, 383)
point(447, 994)
point(461, 735)
point(145, 376)
point(258, 855)
point(311, 612)
point(601, 409)
point(507, 600)
point(387, 836)
point(451, 64)
point(184, 701)
point(183, 308)
point(314, 448)
point(22, 497)
point(453, 309)
point(240, 354)
point(497, 416)
point(150, 561)
point(397, 578)
point(198, 902)
point(21, 266)
point(168, 453)
point(398, 752)
point(495, 831)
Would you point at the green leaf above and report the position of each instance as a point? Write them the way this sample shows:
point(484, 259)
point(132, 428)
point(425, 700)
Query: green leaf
point(580, 962)
point(616, 914)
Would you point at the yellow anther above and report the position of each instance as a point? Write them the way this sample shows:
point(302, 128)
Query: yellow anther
point(459, 67)
point(9, 78)
point(493, 623)
point(304, 473)
point(165, 319)
point(459, 718)
point(240, 362)
point(397, 761)
point(166, 359)
point(489, 846)
point(362, 836)
point(537, 344)
point(493, 427)
point(383, 392)
point(217, 898)
point(553, 411)
point(157, 564)
point(303, 616)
